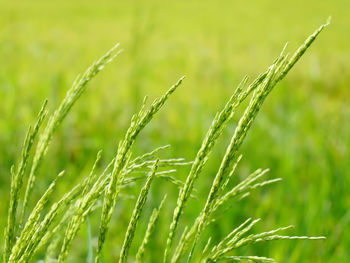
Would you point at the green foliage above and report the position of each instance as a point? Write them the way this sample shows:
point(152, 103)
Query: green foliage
point(53, 226)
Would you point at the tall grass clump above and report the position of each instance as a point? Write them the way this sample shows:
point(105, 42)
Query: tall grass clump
point(51, 226)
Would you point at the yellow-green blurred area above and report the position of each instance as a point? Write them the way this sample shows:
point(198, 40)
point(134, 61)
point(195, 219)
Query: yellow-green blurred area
point(302, 133)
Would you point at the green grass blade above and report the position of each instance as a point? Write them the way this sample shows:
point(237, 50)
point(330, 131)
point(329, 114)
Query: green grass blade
point(17, 182)
point(31, 225)
point(58, 116)
point(90, 251)
point(130, 232)
point(215, 130)
point(150, 228)
point(139, 121)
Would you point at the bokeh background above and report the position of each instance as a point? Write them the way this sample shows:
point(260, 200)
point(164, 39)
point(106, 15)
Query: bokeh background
point(302, 133)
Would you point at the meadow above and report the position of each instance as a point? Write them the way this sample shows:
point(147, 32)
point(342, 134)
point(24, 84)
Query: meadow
point(301, 133)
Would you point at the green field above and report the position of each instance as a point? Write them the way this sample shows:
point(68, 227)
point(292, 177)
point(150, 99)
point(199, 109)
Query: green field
point(302, 132)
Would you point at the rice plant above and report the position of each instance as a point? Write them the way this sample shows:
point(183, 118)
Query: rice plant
point(55, 230)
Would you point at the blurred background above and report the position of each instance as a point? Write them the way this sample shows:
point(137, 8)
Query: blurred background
point(302, 132)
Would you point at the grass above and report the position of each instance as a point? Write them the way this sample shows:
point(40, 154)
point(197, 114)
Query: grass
point(51, 226)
